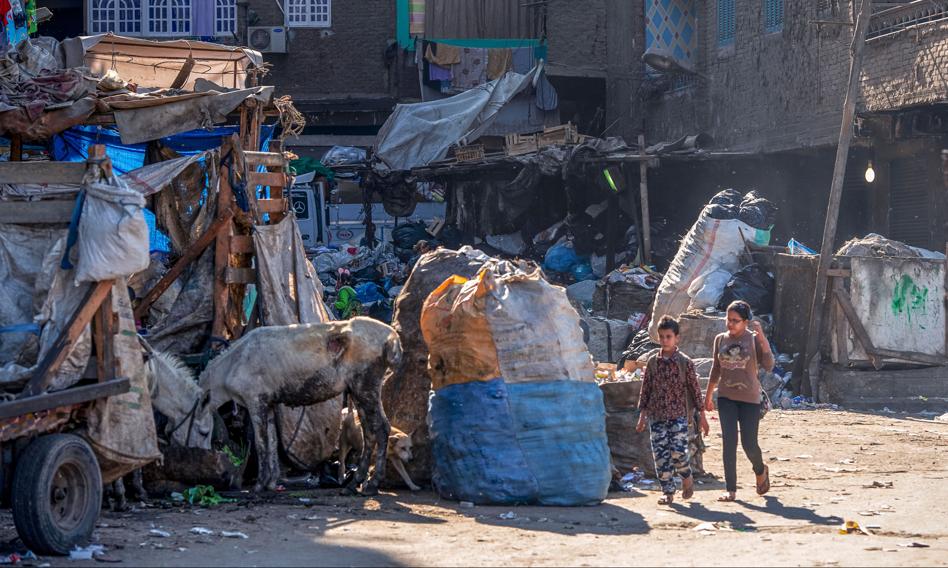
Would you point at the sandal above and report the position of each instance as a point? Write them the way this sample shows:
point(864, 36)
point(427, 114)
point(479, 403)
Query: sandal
point(667, 499)
point(688, 489)
point(727, 498)
point(764, 487)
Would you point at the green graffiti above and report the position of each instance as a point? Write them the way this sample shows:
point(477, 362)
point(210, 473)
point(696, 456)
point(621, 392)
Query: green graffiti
point(908, 298)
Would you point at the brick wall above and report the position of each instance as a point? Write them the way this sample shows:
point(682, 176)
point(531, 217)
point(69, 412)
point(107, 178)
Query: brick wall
point(346, 60)
point(576, 34)
point(785, 90)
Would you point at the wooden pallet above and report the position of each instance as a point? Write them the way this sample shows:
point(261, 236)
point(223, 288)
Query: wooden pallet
point(472, 153)
point(520, 144)
point(564, 134)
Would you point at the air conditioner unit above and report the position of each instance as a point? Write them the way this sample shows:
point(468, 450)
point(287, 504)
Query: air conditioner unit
point(267, 39)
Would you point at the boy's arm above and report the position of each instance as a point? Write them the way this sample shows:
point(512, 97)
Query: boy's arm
point(694, 387)
point(645, 394)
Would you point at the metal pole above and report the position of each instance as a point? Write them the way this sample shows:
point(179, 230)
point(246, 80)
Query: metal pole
point(811, 360)
point(643, 195)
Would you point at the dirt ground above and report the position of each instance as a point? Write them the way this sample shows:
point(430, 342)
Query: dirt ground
point(826, 466)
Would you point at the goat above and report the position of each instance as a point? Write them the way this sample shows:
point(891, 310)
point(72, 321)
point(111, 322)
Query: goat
point(301, 365)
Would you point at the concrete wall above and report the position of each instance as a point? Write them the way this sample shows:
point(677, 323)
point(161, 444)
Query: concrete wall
point(576, 32)
point(346, 60)
point(784, 90)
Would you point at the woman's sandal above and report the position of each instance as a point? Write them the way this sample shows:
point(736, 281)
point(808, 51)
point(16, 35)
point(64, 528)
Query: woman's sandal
point(727, 498)
point(764, 487)
point(667, 499)
point(688, 489)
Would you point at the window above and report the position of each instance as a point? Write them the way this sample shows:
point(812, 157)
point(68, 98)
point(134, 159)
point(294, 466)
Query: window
point(169, 17)
point(119, 16)
point(828, 7)
point(773, 16)
point(225, 17)
point(308, 13)
point(726, 23)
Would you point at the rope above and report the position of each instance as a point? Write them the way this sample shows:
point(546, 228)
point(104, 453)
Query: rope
point(292, 121)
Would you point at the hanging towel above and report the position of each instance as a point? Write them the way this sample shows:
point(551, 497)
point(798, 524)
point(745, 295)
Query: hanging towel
point(446, 56)
point(523, 60)
point(472, 70)
point(439, 73)
point(498, 63)
point(202, 19)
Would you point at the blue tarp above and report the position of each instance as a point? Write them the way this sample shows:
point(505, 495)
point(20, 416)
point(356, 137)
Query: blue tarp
point(521, 443)
point(73, 146)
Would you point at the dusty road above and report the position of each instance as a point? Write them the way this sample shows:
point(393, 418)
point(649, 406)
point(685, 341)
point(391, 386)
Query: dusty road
point(826, 468)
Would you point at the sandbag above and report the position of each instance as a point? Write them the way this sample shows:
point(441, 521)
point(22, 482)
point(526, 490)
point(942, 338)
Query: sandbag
point(405, 389)
point(707, 289)
point(527, 443)
point(710, 245)
point(113, 234)
point(606, 338)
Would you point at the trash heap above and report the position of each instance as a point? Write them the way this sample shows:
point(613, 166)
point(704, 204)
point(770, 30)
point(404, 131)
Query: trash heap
point(515, 413)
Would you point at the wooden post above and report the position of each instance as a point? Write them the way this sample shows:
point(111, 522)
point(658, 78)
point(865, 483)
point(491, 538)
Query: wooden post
point(643, 195)
point(16, 148)
point(225, 198)
point(612, 220)
point(842, 329)
point(103, 330)
point(811, 359)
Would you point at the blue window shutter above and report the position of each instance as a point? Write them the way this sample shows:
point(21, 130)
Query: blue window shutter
point(773, 15)
point(726, 22)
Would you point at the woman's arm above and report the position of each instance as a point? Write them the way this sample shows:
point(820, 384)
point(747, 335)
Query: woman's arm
point(765, 357)
point(715, 376)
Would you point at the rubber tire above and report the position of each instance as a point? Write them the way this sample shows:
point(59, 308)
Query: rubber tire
point(36, 468)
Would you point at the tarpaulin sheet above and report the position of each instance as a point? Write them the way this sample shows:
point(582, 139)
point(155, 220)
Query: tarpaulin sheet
point(420, 133)
point(73, 144)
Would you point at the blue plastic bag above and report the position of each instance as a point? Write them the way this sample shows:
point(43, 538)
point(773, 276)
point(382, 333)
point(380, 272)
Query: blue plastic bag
point(542, 442)
point(560, 258)
point(369, 292)
point(583, 271)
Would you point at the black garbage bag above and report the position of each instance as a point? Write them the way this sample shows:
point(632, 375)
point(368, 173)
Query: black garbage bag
point(727, 197)
point(752, 284)
point(758, 212)
point(640, 345)
point(724, 212)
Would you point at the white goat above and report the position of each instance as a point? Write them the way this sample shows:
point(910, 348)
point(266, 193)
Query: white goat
point(301, 365)
point(175, 394)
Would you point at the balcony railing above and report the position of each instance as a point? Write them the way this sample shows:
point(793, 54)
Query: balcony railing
point(909, 15)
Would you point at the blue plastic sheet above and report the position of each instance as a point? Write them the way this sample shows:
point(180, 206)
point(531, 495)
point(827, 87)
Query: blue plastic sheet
point(525, 443)
point(73, 144)
point(561, 258)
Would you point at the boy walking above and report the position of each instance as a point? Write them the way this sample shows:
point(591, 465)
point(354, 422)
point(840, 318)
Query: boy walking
point(669, 392)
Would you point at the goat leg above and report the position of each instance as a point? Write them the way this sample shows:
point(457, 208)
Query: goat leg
point(119, 503)
point(343, 453)
point(138, 484)
point(273, 446)
point(375, 429)
point(258, 420)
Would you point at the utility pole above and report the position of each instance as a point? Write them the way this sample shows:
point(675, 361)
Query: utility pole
point(814, 332)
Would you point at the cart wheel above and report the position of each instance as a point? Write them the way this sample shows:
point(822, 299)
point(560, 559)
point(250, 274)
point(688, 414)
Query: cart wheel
point(57, 493)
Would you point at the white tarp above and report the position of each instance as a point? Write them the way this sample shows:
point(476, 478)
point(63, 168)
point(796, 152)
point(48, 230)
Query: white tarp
point(418, 134)
point(146, 180)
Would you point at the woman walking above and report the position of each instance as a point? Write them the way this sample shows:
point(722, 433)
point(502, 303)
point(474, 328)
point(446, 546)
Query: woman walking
point(738, 353)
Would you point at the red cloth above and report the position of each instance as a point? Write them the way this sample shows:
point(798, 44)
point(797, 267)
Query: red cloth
point(664, 390)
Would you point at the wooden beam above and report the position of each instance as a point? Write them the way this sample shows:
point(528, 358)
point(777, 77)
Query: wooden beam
point(272, 205)
point(241, 244)
point(269, 159)
point(271, 179)
point(42, 172)
point(235, 275)
point(66, 397)
point(67, 339)
point(46, 212)
point(846, 303)
point(836, 192)
point(643, 196)
point(839, 273)
point(189, 256)
point(225, 198)
point(842, 330)
point(103, 332)
point(16, 148)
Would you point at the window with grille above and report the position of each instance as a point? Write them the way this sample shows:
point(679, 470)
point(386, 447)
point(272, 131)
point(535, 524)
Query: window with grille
point(225, 17)
point(169, 17)
point(726, 23)
point(309, 13)
point(773, 16)
point(119, 16)
point(828, 7)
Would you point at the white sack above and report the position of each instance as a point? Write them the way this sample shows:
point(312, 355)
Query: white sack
point(113, 234)
point(707, 289)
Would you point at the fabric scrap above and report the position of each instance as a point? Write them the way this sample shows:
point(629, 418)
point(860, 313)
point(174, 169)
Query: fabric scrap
point(499, 61)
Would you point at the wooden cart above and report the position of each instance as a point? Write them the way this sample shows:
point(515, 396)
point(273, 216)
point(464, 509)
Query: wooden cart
point(50, 473)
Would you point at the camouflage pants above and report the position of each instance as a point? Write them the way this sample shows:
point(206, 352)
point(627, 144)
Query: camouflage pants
point(670, 449)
